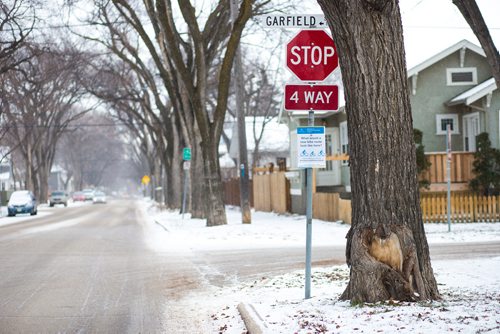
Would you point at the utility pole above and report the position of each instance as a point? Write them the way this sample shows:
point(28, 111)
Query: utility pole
point(238, 82)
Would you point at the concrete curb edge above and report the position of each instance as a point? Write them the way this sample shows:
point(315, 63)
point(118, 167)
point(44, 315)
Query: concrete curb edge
point(253, 321)
point(161, 225)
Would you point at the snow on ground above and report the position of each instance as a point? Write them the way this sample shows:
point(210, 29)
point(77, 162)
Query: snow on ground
point(272, 230)
point(470, 303)
point(469, 288)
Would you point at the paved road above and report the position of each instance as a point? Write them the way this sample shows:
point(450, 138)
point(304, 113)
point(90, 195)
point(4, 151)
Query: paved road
point(97, 268)
point(252, 264)
point(87, 269)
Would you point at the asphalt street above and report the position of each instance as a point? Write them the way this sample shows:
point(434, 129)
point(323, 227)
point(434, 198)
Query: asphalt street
point(86, 270)
point(91, 269)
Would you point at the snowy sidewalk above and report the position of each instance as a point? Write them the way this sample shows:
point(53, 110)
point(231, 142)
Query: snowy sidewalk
point(272, 230)
point(470, 288)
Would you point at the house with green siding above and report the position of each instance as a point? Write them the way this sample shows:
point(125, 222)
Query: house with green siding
point(453, 87)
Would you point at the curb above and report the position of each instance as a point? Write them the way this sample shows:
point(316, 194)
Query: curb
point(253, 322)
point(161, 225)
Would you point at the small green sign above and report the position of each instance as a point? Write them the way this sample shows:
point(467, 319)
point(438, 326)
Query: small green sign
point(186, 154)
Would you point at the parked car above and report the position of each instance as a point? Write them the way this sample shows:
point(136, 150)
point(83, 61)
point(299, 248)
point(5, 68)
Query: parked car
point(89, 194)
point(58, 197)
point(78, 196)
point(22, 201)
point(99, 197)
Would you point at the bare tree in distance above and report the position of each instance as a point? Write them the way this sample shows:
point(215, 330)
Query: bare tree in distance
point(387, 249)
point(186, 51)
point(43, 97)
point(128, 86)
point(91, 149)
point(474, 18)
point(17, 20)
point(263, 94)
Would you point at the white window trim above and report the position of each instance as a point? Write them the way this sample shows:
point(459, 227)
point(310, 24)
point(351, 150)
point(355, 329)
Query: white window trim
point(342, 131)
point(439, 117)
point(449, 72)
point(470, 116)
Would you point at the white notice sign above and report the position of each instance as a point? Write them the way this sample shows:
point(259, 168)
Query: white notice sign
point(311, 150)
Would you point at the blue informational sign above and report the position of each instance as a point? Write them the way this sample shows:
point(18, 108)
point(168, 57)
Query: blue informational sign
point(311, 148)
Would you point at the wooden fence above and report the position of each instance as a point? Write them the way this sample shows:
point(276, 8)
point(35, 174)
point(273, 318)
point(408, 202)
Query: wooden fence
point(330, 207)
point(461, 167)
point(466, 207)
point(271, 192)
point(232, 192)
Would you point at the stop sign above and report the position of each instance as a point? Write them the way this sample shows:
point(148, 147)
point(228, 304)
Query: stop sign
point(311, 55)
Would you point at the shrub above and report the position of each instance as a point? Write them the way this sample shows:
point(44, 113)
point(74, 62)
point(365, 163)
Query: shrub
point(486, 167)
point(422, 163)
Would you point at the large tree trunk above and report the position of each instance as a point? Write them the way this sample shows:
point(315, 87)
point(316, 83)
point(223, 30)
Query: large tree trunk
point(386, 247)
point(43, 177)
point(214, 191)
point(197, 183)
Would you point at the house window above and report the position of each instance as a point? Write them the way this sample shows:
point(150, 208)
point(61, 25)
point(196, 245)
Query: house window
point(442, 122)
point(344, 141)
point(329, 151)
point(461, 76)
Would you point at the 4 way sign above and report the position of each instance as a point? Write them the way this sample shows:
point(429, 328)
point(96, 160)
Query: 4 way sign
point(309, 97)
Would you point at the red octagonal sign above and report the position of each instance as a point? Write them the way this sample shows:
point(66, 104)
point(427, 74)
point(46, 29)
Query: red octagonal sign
point(311, 55)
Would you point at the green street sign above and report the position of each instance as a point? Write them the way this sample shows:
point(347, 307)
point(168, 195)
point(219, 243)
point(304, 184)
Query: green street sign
point(186, 154)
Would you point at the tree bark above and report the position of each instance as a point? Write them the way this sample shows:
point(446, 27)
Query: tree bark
point(385, 196)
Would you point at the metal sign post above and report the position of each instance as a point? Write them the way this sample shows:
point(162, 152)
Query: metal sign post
point(311, 56)
point(310, 154)
point(186, 155)
point(448, 173)
point(309, 219)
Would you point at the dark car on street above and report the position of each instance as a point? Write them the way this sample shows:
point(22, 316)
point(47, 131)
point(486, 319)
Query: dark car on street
point(22, 201)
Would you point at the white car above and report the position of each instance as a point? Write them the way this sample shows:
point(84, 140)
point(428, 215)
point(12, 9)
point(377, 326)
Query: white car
point(99, 197)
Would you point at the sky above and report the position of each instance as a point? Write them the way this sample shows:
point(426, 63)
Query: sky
point(430, 26)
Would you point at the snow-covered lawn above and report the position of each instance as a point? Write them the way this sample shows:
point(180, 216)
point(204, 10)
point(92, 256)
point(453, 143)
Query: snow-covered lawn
point(469, 288)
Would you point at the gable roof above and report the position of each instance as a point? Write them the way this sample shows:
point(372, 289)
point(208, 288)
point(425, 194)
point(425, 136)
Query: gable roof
point(475, 93)
point(275, 137)
point(445, 53)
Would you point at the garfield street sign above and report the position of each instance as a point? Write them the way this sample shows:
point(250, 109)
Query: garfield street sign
point(303, 21)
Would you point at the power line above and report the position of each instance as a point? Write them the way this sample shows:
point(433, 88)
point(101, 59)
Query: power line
point(21, 125)
point(445, 27)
